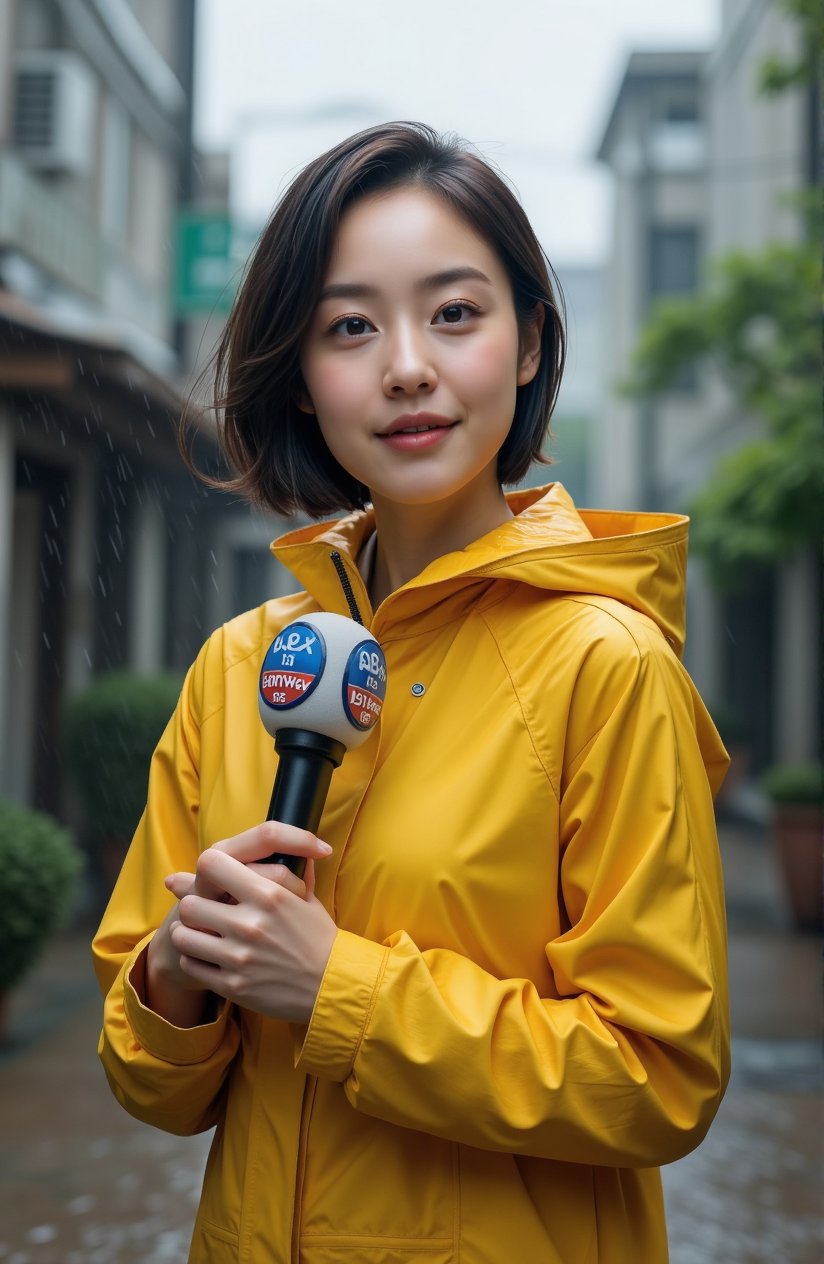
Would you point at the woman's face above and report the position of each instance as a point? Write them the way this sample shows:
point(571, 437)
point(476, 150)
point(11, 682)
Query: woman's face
point(413, 356)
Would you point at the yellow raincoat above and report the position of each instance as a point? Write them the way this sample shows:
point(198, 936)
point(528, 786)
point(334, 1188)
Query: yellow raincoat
point(525, 1009)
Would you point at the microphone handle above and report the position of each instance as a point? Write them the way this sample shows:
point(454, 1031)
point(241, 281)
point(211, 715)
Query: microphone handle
point(306, 763)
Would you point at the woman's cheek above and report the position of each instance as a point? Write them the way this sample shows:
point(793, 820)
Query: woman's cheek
point(335, 389)
point(490, 367)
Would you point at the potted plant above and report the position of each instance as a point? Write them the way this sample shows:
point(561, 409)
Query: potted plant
point(39, 868)
point(110, 730)
point(796, 792)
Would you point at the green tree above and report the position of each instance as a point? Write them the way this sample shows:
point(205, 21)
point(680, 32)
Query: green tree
point(758, 323)
point(776, 73)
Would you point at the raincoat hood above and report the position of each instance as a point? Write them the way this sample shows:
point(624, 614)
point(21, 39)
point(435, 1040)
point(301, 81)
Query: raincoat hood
point(637, 558)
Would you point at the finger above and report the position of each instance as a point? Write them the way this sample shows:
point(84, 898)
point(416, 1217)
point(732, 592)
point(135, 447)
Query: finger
point(309, 879)
point(180, 884)
point(269, 837)
point(237, 880)
point(205, 976)
point(203, 914)
point(199, 945)
point(283, 877)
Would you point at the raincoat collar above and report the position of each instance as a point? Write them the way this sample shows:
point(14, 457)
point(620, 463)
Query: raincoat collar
point(636, 558)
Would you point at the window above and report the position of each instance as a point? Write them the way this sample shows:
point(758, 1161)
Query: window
point(673, 261)
point(673, 271)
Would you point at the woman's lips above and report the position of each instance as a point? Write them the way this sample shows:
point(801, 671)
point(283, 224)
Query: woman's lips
point(415, 440)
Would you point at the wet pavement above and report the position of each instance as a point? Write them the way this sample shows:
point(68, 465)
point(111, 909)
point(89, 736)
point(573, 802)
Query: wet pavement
point(83, 1183)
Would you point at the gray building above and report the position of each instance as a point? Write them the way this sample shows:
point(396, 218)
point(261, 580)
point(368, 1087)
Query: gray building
point(580, 399)
point(109, 549)
point(702, 162)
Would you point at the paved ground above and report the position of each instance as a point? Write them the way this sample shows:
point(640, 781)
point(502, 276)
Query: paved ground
point(82, 1183)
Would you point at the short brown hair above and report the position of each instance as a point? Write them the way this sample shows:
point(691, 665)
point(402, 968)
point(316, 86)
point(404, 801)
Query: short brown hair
point(278, 454)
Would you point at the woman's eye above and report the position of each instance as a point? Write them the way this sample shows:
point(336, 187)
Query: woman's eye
point(455, 313)
point(351, 326)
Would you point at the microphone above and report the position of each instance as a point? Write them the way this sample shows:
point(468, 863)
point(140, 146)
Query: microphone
point(320, 694)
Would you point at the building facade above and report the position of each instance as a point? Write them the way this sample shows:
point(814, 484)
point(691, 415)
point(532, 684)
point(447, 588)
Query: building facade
point(111, 554)
point(702, 164)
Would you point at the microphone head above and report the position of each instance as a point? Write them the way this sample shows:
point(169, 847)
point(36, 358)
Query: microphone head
point(325, 674)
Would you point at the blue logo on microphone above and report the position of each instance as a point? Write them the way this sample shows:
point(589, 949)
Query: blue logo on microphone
point(292, 667)
point(364, 685)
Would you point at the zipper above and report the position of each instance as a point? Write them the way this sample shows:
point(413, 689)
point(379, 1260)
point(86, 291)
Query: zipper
point(309, 1091)
point(346, 585)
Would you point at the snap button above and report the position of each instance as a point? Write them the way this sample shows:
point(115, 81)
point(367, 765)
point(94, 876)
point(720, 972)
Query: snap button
point(418, 689)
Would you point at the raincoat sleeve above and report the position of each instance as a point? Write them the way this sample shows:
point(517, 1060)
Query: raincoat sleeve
point(164, 1075)
point(625, 1063)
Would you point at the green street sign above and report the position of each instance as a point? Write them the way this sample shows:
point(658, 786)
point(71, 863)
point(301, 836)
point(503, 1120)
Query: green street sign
point(207, 270)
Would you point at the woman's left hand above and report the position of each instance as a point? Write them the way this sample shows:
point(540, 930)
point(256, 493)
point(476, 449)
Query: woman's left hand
point(259, 937)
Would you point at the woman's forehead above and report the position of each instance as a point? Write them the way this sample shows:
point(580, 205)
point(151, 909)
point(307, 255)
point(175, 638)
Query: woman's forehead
point(413, 233)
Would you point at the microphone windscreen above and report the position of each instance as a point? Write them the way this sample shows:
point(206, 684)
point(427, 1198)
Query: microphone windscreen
point(325, 674)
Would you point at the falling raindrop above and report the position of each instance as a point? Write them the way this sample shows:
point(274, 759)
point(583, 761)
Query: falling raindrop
point(80, 1205)
point(42, 1234)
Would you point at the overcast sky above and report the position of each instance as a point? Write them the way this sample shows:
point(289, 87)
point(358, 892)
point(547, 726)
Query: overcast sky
point(530, 82)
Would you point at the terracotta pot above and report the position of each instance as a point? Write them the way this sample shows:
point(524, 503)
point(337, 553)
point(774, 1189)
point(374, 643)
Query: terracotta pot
point(798, 830)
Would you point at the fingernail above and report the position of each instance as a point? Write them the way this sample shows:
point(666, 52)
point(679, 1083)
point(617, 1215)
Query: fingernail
point(324, 848)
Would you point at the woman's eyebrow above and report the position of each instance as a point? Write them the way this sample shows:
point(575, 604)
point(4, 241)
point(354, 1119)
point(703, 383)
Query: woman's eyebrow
point(353, 290)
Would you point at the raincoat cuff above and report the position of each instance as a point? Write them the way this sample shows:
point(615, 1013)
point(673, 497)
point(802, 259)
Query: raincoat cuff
point(344, 1003)
point(160, 1038)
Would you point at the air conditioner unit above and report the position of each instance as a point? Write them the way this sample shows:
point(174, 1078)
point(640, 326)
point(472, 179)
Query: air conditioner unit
point(54, 111)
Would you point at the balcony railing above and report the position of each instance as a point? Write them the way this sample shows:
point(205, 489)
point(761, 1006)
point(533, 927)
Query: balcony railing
point(41, 223)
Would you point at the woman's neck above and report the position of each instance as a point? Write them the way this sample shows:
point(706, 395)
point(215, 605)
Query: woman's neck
point(409, 537)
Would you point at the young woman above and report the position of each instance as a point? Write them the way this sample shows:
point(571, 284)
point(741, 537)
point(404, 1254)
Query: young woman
point(497, 1001)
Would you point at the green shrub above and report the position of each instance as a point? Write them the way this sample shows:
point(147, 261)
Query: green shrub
point(109, 733)
point(39, 868)
point(730, 725)
point(794, 783)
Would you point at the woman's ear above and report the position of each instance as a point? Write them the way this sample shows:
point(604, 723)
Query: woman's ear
point(302, 398)
point(530, 347)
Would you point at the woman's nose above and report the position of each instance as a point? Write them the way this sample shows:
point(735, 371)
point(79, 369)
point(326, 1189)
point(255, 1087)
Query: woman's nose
point(409, 367)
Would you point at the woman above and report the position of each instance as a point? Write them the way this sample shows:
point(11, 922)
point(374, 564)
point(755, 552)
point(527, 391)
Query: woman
point(497, 1000)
